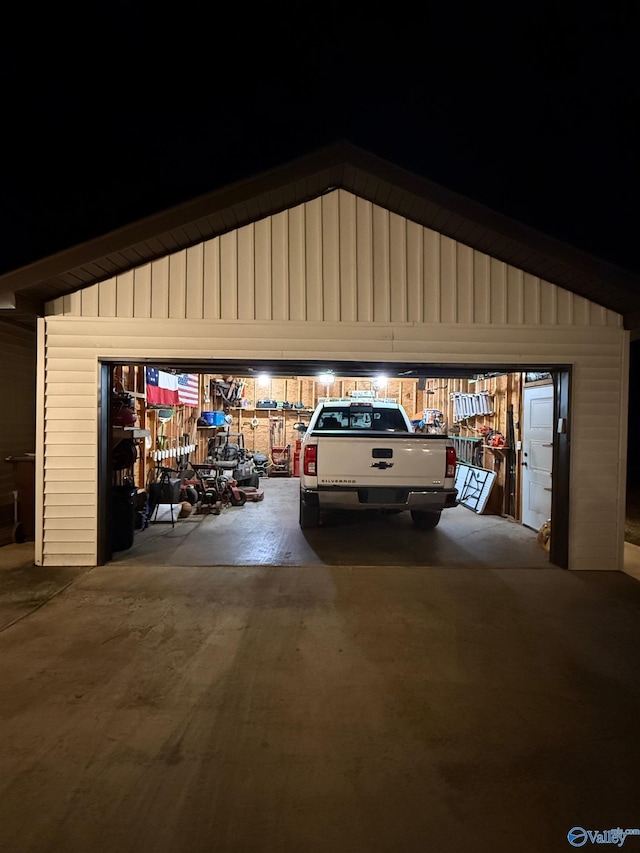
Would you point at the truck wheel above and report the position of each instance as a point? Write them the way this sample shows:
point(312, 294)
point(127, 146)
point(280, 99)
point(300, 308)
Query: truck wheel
point(309, 515)
point(425, 520)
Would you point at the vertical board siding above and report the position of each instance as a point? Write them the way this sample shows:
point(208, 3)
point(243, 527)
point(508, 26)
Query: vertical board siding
point(246, 273)
point(297, 258)
point(125, 306)
point(195, 282)
point(398, 267)
point(211, 280)
point(313, 256)
point(364, 260)
point(337, 258)
point(415, 272)
point(107, 302)
point(564, 302)
point(464, 284)
point(160, 288)
point(347, 273)
point(142, 292)
point(431, 284)
point(381, 285)
point(448, 283)
point(515, 296)
point(89, 303)
point(481, 288)
point(531, 299)
point(262, 261)
point(498, 291)
point(331, 258)
point(178, 284)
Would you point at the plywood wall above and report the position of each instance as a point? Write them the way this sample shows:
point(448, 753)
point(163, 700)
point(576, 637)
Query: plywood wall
point(503, 391)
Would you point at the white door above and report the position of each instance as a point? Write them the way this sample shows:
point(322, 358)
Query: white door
point(537, 455)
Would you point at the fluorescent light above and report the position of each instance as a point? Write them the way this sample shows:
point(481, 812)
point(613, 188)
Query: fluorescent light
point(264, 379)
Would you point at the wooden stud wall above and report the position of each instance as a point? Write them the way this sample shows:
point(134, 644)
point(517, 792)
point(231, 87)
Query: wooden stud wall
point(264, 428)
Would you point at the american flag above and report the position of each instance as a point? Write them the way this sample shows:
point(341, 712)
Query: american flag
point(188, 389)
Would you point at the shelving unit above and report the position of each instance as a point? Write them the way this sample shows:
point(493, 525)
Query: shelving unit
point(124, 433)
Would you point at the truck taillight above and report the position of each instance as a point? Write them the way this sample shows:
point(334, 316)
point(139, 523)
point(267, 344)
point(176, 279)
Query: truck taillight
point(309, 461)
point(451, 462)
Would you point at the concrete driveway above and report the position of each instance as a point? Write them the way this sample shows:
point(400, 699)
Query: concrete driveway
point(159, 709)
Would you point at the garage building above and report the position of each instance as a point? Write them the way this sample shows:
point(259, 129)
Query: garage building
point(343, 261)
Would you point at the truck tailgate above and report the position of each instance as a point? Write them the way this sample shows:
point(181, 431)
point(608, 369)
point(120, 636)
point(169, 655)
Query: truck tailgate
point(381, 459)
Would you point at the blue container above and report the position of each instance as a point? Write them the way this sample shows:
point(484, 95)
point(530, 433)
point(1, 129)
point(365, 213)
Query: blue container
point(213, 418)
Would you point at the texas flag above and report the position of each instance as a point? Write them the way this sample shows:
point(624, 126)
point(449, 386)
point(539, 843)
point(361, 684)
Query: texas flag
point(161, 387)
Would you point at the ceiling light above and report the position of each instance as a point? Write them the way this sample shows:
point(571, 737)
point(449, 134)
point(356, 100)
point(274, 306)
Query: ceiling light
point(325, 378)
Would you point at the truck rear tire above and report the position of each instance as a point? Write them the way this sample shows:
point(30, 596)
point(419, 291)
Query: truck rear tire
point(425, 520)
point(309, 515)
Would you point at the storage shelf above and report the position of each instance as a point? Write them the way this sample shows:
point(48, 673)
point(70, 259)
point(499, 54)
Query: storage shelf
point(123, 433)
point(261, 409)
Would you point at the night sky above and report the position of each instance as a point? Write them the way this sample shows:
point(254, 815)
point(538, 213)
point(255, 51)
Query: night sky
point(119, 114)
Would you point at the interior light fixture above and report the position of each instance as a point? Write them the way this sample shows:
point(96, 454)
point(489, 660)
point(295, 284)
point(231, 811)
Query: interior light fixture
point(380, 381)
point(325, 378)
point(264, 379)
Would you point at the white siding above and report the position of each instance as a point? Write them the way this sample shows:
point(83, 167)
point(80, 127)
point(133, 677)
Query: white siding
point(337, 275)
point(335, 259)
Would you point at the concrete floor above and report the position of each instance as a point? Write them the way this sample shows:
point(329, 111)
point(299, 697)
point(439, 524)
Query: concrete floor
point(268, 533)
point(150, 708)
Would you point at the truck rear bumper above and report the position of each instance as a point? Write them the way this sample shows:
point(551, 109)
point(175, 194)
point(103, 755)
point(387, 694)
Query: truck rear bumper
point(380, 498)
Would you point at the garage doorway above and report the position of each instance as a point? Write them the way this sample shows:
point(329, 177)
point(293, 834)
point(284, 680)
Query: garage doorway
point(442, 373)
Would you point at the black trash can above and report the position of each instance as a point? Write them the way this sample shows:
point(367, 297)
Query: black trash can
point(123, 517)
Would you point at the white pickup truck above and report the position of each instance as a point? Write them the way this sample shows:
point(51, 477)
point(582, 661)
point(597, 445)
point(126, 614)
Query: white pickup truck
point(365, 455)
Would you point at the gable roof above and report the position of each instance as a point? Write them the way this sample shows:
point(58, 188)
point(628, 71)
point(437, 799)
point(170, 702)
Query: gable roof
point(24, 291)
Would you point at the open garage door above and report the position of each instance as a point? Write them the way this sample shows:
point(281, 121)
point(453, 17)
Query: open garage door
point(263, 407)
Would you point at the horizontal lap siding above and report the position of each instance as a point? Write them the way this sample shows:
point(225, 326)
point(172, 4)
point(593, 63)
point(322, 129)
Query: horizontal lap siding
point(597, 406)
point(597, 440)
point(70, 509)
